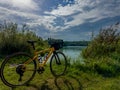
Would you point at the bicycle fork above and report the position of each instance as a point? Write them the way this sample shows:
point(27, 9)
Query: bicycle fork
point(57, 58)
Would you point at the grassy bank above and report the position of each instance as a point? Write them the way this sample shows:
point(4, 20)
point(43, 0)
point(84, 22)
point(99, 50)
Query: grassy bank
point(78, 77)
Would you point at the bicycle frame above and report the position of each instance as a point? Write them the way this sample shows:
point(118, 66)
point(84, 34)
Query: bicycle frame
point(24, 67)
point(36, 53)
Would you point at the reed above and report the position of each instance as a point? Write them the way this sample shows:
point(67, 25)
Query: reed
point(14, 39)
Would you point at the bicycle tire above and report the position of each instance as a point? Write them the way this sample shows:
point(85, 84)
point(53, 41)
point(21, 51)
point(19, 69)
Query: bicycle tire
point(58, 64)
point(11, 77)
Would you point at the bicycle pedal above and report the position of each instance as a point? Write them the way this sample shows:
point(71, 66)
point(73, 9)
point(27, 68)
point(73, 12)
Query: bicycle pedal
point(58, 63)
point(41, 70)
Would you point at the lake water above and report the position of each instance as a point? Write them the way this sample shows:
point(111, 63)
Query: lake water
point(73, 52)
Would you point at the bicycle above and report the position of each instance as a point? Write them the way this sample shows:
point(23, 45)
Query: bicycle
point(20, 68)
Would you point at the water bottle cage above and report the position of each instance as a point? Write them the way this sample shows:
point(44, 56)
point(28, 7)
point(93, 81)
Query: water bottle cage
point(45, 56)
point(40, 59)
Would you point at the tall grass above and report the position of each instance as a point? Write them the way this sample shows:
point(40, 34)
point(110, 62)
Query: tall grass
point(103, 53)
point(104, 44)
point(14, 39)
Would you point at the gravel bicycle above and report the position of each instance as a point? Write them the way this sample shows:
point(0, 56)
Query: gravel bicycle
point(20, 68)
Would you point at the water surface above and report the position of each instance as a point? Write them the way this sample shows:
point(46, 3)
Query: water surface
point(73, 52)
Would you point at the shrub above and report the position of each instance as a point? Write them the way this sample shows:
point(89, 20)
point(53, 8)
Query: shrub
point(103, 53)
point(13, 39)
point(105, 43)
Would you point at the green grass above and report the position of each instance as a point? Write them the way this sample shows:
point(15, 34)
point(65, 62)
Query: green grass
point(77, 77)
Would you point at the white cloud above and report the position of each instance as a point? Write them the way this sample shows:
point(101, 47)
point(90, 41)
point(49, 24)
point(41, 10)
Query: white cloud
point(21, 4)
point(71, 8)
point(8, 12)
point(63, 10)
point(80, 12)
point(87, 11)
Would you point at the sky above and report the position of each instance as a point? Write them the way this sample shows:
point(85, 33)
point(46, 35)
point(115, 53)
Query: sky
point(70, 20)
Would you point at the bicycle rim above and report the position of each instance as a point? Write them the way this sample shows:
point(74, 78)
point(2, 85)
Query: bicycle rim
point(58, 64)
point(11, 70)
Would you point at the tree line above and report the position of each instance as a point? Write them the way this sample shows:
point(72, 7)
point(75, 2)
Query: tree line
point(76, 43)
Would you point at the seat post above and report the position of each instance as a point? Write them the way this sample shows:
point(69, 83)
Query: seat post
point(32, 43)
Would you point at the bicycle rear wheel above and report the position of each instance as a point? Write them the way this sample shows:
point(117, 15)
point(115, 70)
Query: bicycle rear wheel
point(58, 63)
point(14, 72)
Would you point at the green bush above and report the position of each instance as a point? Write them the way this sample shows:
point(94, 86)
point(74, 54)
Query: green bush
point(13, 39)
point(105, 43)
point(105, 67)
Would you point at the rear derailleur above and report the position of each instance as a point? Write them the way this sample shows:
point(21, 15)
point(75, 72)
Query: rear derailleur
point(20, 70)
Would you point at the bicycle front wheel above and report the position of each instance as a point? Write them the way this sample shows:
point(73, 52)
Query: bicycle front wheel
point(14, 72)
point(58, 63)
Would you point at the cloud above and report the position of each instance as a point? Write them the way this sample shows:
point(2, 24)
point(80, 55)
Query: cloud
point(63, 10)
point(20, 4)
point(31, 19)
point(83, 11)
point(8, 13)
point(63, 17)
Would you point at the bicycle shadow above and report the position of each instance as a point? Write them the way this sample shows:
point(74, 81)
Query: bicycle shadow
point(44, 86)
point(68, 83)
point(59, 83)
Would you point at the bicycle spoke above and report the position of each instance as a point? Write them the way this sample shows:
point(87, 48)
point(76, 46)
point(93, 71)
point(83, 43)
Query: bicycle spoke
point(14, 72)
point(58, 64)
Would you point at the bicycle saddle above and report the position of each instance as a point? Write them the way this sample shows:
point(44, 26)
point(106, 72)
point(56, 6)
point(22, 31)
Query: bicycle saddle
point(31, 41)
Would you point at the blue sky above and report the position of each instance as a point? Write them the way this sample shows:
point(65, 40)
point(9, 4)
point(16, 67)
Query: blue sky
point(62, 19)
